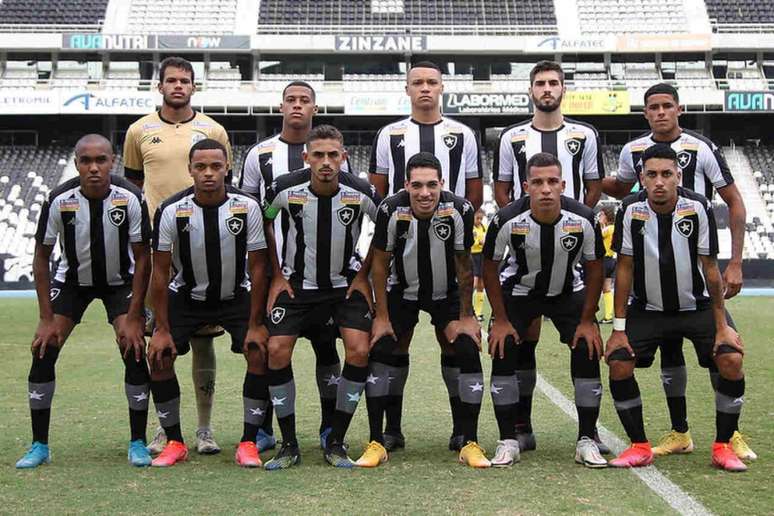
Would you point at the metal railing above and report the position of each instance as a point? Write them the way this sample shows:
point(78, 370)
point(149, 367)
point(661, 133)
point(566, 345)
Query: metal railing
point(49, 27)
point(419, 30)
point(741, 28)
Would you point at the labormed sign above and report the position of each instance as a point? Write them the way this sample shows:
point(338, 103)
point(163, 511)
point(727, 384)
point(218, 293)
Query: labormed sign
point(487, 103)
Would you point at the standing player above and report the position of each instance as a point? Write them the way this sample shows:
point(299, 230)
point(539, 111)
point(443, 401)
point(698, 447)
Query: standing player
point(479, 235)
point(421, 261)
point(312, 283)
point(266, 161)
point(156, 160)
point(545, 234)
point(456, 147)
point(703, 170)
point(103, 229)
point(607, 223)
point(666, 241)
point(213, 236)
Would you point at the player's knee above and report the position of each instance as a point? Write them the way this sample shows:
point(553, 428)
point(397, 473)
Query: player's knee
point(256, 358)
point(465, 348)
point(279, 352)
point(384, 347)
point(162, 373)
point(728, 360)
point(43, 369)
point(621, 365)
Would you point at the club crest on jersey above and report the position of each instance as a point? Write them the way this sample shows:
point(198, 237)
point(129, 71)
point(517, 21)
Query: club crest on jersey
point(450, 140)
point(54, 293)
point(442, 231)
point(572, 226)
point(69, 205)
point(235, 225)
point(684, 227)
point(573, 145)
point(117, 216)
point(345, 215)
point(683, 159)
point(277, 314)
point(568, 242)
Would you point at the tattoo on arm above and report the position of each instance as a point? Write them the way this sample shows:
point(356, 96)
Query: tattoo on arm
point(464, 268)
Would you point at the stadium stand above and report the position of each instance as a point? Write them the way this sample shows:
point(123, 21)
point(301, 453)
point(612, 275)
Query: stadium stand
point(741, 11)
point(183, 16)
point(53, 12)
point(616, 16)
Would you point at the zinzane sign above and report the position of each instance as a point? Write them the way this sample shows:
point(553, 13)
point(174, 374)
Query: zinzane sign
point(381, 44)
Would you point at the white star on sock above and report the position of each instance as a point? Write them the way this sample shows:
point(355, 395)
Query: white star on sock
point(476, 387)
point(35, 395)
point(495, 389)
point(278, 401)
point(372, 379)
point(256, 411)
point(162, 415)
point(140, 397)
point(353, 396)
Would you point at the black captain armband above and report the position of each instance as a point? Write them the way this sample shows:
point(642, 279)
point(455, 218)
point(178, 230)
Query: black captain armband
point(131, 173)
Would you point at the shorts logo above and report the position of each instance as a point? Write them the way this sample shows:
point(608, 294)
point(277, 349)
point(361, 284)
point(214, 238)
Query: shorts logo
point(235, 225)
point(568, 242)
point(117, 216)
point(54, 293)
point(277, 314)
point(683, 159)
point(442, 231)
point(345, 215)
point(572, 145)
point(450, 140)
point(684, 227)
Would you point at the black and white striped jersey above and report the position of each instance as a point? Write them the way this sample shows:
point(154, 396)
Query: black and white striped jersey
point(452, 142)
point(665, 249)
point(209, 244)
point(542, 258)
point(95, 236)
point(575, 144)
point(423, 249)
point(700, 161)
point(323, 231)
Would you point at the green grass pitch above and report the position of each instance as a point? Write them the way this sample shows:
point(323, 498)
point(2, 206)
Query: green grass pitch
point(89, 434)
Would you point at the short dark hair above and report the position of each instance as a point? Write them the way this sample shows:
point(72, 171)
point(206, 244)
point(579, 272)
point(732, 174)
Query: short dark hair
point(662, 88)
point(661, 151)
point(207, 144)
point(423, 160)
point(543, 159)
point(303, 84)
point(426, 64)
point(546, 66)
point(325, 132)
point(175, 62)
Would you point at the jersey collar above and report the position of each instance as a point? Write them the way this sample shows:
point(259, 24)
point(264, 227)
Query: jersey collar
point(427, 125)
point(174, 123)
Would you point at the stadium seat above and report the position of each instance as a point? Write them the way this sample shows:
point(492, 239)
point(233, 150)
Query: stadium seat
point(53, 12)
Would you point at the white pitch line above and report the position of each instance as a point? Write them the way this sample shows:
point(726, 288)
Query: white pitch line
point(678, 499)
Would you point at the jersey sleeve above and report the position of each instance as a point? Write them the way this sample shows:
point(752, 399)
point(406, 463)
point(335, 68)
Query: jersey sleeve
point(251, 180)
point(502, 169)
point(473, 168)
point(593, 165)
point(463, 238)
point(593, 246)
point(494, 243)
point(133, 161)
point(48, 225)
point(222, 136)
point(139, 221)
point(384, 229)
point(164, 230)
point(380, 154)
point(622, 235)
point(369, 202)
point(707, 242)
point(626, 172)
point(256, 239)
point(714, 166)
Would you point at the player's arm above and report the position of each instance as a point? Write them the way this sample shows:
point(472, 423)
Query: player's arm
point(133, 161)
point(131, 336)
point(474, 192)
point(161, 344)
point(587, 328)
point(47, 331)
point(724, 334)
point(257, 332)
point(474, 173)
point(594, 170)
point(379, 165)
point(503, 173)
point(502, 192)
point(737, 214)
point(623, 285)
point(593, 192)
point(380, 270)
point(621, 185)
point(273, 206)
point(614, 187)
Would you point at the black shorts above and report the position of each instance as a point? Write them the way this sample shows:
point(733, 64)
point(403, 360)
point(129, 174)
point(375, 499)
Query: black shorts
point(312, 308)
point(71, 301)
point(478, 260)
point(187, 316)
point(404, 314)
point(609, 266)
point(647, 330)
point(564, 312)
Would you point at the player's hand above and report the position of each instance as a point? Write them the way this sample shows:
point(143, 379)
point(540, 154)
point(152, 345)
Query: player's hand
point(160, 348)
point(588, 331)
point(257, 335)
point(728, 336)
point(361, 284)
point(278, 285)
point(498, 334)
point(732, 279)
point(617, 340)
point(467, 325)
point(48, 332)
point(382, 327)
point(131, 336)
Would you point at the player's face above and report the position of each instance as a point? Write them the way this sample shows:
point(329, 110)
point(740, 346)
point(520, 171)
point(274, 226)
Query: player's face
point(424, 188)
point(177, 87)
point(660, 177)
point(424, 88)
point(547, 91)
point(93, 163)
point(544, 185)
point(208, 169)
point(325, 158)
point(298, 107)
point(662, 112)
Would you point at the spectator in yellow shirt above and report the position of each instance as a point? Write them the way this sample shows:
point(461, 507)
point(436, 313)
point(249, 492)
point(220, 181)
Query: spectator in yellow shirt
point(606, 222)
point(479, 235)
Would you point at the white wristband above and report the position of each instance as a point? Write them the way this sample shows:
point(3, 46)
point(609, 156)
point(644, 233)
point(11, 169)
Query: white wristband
point(619, 323)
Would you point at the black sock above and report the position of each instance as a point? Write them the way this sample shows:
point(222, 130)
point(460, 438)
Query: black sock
point(471, 385)
point(282, 394)
point(377, 389)
point(268, 417)
point(526, 366)
point(137, 388)
point(628, 404)
point(451, 377)
point(41, 385)
point(350, 388)
point(327, 372)
point(505, 390)
point(166, 397)
point(255, 397)
point(729, 399)
point(674, 380)
point(588, 389)
point(394, 408)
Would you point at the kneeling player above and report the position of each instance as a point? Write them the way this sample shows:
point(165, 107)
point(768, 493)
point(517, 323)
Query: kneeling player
point(428, 233)
point(102, 226)
point(209, 232)
point(325, 209)
point(545, 234)
point(666, 240)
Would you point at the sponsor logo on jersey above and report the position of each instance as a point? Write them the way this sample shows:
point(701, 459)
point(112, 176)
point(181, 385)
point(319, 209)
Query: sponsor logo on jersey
point(69, 205)
point(572, 226)
point(151, 126)
point(184, 210)
point(640, 213)
point(350, 198)
point(237, 207)
point(577, 135)
point(520, 228)
point(689, 146)
point(197, 137)
point(265, 150)
point(445, 209)
point(639, 147)
point(201, 123)
point(519, 137)
point(155, 140)
point(404, 213)
point(398, 131)
point(297, 197)
point(685, 209)
point(119, 199)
